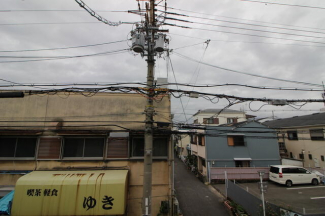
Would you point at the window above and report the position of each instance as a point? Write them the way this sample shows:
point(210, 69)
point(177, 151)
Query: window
point(291, 170)
point(274, 169)
point(18, 147)
point(210, 120)
point(196, 121)
point(301, 156)
point(201, 140)
point(117, 147)
point(203, 162)
point(282, 146)
point(160, 146)
point(322, 157)
point(49, 148)
point(231, 120)
point(291, 155)
point(301, 170)
point(317, 134)
point(242, 163)
point(83, 147)
point(236, 140)
point(310, 156)
point(292, 135)
point(194, 139)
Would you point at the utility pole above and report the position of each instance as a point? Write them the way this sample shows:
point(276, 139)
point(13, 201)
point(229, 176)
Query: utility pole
point(147, 42)
point(149, 112)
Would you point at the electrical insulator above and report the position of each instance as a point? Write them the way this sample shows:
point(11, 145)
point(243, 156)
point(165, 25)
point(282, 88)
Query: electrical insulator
point(159, 47)
point(138, 40)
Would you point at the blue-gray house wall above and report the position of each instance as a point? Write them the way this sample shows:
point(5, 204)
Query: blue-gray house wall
point(261, 145)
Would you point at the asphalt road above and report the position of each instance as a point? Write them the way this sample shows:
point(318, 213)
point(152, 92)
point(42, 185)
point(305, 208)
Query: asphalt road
point(196, 198)
point(306, 199)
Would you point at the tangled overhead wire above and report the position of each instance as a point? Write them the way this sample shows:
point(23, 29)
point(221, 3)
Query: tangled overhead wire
point(94, 14)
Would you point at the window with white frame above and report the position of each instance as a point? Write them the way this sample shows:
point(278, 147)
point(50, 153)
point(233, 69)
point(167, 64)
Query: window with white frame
point(18, 147)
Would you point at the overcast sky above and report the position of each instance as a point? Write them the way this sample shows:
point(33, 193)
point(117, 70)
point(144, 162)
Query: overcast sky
point(298, 56)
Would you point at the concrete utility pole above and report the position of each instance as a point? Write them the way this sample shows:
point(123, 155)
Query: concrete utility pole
point(149, 111)
point(147, 42)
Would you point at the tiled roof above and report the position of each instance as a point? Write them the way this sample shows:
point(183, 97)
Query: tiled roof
point(297, 121)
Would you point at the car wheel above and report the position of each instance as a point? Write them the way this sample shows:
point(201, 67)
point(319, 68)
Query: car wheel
point(314, 182)
point(288, 183)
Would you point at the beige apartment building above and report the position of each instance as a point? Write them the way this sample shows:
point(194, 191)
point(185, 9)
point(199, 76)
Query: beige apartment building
point(80, 143)
point(302, 137)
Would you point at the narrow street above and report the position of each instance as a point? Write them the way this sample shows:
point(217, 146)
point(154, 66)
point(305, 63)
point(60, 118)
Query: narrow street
point(195, 198)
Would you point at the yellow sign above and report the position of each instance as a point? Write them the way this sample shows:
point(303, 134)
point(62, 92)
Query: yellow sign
point(97, 192)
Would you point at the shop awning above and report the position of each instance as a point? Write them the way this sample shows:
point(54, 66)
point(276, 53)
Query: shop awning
point(93, 192)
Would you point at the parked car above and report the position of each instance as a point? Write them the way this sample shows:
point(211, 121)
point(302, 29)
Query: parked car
point(320, 175)
point(289, 175)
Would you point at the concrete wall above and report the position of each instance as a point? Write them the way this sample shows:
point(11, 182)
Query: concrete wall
point(314, 147)
point(262, 148)
point(108, 108)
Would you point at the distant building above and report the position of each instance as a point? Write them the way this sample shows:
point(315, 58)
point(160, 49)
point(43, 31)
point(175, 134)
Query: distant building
point(67, 150)
point(302, 137)
point(213, 117)
point(244, 144)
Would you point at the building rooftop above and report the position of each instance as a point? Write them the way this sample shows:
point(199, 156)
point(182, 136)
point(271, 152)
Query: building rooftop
point(214, 111)
point(298, 121)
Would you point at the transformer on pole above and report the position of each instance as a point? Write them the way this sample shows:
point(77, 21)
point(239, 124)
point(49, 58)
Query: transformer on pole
point(148, 40)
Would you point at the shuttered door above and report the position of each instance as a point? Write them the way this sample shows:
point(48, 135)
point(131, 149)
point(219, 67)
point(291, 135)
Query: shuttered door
point(49, 148)
point(117, 147)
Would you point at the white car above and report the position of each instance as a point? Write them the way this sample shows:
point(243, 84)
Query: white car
point(289, 175)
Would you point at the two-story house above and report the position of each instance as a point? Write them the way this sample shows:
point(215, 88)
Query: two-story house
point(213, 117)
point(68, 154)
point(302, 137)
point(242, 145)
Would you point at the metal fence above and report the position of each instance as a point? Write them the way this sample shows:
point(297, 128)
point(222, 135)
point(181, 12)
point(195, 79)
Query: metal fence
point(236, 173)
point(250, 203)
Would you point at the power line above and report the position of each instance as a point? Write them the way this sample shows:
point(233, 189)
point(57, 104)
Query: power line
point(238, 33)
point(94, 14)
point(247, 86)
point(252, 42)
point(243, 19)
point(60, 48)
point(56, 23)
point(56, 10)
point(171, 65)
point(249, 74)
point(305, 6)
point(69, 57)
point(250, 24)
point(49, 23)
point(198, 69)
point(249, 29)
